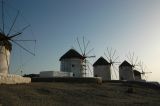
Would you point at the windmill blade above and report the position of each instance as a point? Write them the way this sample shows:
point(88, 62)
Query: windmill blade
point(84, 46)
point(133, 61)
point(1, 30)
point(114, 70)
point(90, 69)
point(90, 51)
point(129, 57)
point(113, 54)
point(3, 16)
point(136, 60)
point(106, 56)
point(132, 55)
point(14, 35)
point(25, 40)
point(79, 46)
point(91, 56)
point(23, 48)
point(109, 54)
point(147, 72)
point(13, 23)
point(141, 67)
point(20, 32)
point(145, 77)
point(27, 26)
point(112, 75)
point(85, 67)
point(116, 59)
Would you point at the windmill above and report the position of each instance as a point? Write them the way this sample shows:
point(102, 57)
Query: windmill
point(112, 59)
point(133, 60)
point(85, 51)
point(10, 35)
point(143, 70)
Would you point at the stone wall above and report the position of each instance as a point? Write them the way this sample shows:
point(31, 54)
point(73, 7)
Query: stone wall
point(97, 80)
point(13, 79)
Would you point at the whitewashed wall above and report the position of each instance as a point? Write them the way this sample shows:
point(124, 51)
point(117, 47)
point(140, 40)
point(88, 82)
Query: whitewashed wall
point(13, 79)
point(47, 74)
point(4, 56)
point(126, 73)
point(72, 65)
point(103, 71)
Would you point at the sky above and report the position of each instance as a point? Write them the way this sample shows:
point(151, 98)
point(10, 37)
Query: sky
point(125, 25)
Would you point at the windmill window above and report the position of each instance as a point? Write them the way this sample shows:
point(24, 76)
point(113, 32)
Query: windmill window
point(96, 75)
point(122, 78)
point(73, 65)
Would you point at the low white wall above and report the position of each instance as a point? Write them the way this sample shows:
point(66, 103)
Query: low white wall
point(13, 79)
point(47, 74)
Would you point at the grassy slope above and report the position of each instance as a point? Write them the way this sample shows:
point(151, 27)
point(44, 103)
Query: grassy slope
point(67, 94)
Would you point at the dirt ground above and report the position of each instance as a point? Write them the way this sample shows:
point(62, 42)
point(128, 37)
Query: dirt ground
point(76, 94)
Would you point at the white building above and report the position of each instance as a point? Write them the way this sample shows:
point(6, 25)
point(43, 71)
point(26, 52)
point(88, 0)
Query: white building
point(102, 68)
point(72, 61)
point(50, 74)
point(5, 49)
point(125, 71)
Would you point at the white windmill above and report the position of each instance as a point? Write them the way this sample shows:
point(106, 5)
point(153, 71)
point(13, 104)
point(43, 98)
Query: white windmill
point(102, 68)
point(112, 58)
point(137, 66)
point(10, 35)
point(85, 52)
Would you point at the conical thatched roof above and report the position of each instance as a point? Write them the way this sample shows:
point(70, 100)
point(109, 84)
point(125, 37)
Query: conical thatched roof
point(4, 42)
point(101, 61)
point(125, 63)
point(136, 72)
point(71, 54)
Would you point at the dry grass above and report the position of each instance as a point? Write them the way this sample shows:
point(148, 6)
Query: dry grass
point(74, 94)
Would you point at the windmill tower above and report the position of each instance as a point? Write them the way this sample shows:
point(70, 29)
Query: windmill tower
point(8, 35)
point(85, 51)
point(129, 70)
point(72, 61)
point(112, 59)
point(125, 71)
point(102, 68)
point(5, 50)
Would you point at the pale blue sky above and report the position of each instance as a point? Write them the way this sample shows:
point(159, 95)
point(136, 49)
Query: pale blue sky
point(125, 25)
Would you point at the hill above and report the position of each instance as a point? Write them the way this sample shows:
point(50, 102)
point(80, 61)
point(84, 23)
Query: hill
point(78, 94)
